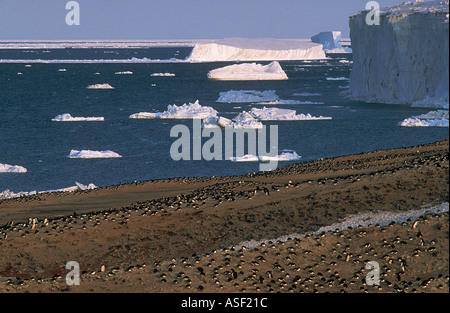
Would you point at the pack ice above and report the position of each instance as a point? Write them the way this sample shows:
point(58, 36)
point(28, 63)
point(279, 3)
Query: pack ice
point(185, 111)
point(249, 71)
point(405, 59)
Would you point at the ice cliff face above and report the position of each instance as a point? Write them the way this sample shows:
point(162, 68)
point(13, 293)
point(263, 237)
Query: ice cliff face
point(405, 59)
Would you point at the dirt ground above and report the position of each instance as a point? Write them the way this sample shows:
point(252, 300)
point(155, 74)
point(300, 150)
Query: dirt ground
point(175, 235)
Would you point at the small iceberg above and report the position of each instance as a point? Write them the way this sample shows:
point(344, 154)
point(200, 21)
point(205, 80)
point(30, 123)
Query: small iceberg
point(66, 117)
point(246, 121)
point(89, 154)
point(283, 157)
point(123, 73)
point(249, 71)
point(439, 118)
point(163, 75)
point(100, 86)
point(247, 96)
point(185, 111)
point(276, 114)
point(6, 168)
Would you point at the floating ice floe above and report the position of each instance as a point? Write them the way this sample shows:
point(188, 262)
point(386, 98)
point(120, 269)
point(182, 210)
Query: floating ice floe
point(283, 157)
point(7, 194)
point(163, 74)
point(144, 115)
point(246, 121)
point(68, 118)
point(185, 111)
point(6, 168)
point(432, 102)
point(247, 96)
point(249, 71)
point(100, 86)
point(62, 70)
point(90, 154)
point(439, 118)
point(276, 114)
point(124, 73)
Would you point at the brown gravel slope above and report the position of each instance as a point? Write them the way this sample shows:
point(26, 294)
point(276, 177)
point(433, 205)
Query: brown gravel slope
point(125, 227)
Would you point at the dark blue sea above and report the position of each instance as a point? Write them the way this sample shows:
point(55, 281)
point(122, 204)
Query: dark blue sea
point(28, 102)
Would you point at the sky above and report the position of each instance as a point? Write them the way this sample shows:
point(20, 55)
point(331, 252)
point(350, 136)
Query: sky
point(177, 19)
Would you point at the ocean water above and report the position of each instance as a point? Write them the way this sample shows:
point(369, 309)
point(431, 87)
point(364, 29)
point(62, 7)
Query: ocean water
point(29, 101)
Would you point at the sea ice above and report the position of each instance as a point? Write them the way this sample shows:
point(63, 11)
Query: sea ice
point(185, 111)
point(90, 154)
point(100, 86)
point(163, 74)
point(68, 118)
point(6, 168)
point(438, 118)
point(249, 71)
point(276, 114)
point(283, 157)
point(246, 121)
point(123, 73)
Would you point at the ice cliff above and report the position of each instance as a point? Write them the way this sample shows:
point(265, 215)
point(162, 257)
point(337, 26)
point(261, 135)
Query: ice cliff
point(261, 49)
point(405, 59)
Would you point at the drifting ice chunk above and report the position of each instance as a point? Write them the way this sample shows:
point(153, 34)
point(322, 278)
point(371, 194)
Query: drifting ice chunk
point(438, 118)
point(249, 71)
point(163, 74)
point(275, 114)
point(89, 154)
point(283, 157)
point(68, 118)
point(247, 96)
point(6, 168)
point(246, 121)
point(123, 73)
point(216, 121)
point(428, 102)
point(337, 78)
point(145, 115)
point(188, 111)
point(100, 86)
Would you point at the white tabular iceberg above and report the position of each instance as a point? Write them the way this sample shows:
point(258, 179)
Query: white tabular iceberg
point(68, 118)
point(249, 71)
point(438, 118)
point(89, 154)
point(6, 168)
point(261, 49)
point(124, 73)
